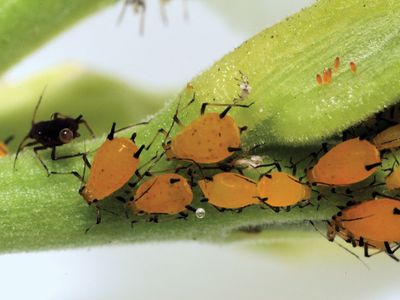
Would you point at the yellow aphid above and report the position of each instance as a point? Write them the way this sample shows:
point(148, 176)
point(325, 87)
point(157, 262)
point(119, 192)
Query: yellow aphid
point(163, 194)
point(208, 139)
point(229, 190)
point(279, 189)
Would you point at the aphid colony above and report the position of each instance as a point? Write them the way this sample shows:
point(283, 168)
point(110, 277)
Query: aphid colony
point(212, 143)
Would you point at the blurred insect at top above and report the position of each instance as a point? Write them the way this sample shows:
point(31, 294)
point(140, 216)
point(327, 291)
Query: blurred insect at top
point(140, 6)
point(57, 131)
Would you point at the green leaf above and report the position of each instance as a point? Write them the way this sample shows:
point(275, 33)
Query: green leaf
point(25, 25)
point(290, 109)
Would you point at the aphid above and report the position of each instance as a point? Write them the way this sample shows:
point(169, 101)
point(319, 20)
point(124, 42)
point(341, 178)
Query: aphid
point(336, 64)
point(139, 7)
point(327, 76)
point(347, 163)
point(353, 67)
point(114, 163)
point(318, 79)
point(279, 190)
point(229, 191)
point(388, 138)
point(245, 88)
point(57, 131)
point(211, 138)
point(3, 146)
point(168, 193)
point(370, 224)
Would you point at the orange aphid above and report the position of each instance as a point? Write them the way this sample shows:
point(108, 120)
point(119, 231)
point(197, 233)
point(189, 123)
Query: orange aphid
point(327, 76)
point(189, 86)
point(336, 64)
point(229, 190)
point(319, 79)
point(163, 194)
point(347, 163)
point(353, 67)
point(388, 139)
point(114, 163)
point(3, 149)
point(208, 139)
point(373, 223)
point(279, 189)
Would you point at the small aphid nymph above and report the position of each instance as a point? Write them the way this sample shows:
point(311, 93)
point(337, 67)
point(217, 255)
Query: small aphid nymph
point(353, 67)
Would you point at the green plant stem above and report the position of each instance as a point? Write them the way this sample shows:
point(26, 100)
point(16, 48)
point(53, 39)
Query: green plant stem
point(290, 109)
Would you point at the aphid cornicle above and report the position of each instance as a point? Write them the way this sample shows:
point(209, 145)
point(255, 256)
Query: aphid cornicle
point(211, 138)
point(369, 224)
point(168, 193)
point(229, 191)
point(50, 134)
point(347, 163)
point(279, 189)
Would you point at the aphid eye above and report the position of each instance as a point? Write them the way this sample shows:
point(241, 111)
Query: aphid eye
point(66, 135)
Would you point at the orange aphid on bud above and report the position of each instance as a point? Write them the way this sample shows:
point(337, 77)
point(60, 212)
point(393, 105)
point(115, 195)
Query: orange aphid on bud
point(353, 67)
point(319, 79)
point(336, 64)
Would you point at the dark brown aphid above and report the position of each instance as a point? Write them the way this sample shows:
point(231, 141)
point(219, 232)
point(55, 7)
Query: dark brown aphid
point(50, 134)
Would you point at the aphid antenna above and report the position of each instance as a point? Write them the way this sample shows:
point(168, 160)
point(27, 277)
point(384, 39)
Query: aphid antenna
point(227, 109)
point(37, 105)
point(131, 126)
point(340, 245)
point(20, 147)
point(375, 194)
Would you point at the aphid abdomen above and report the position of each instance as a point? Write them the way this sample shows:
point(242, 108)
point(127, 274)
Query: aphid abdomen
point(207, 139)
point(230, 190)
point(163, 194)
point(113, 165)
point(347, 163)
point(282, 190)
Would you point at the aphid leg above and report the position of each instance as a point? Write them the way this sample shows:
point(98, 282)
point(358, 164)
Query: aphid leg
point(36, 150)
point(160, 131)
point(183, 216)
point(98, 219)
point(376, 194)
point(130, 126)
point(123, 10)
point(204, 200)
point(226, 110)
point(340, 245)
